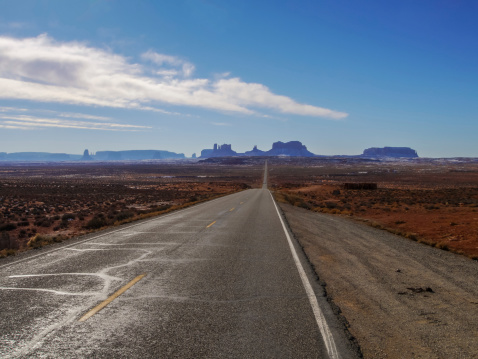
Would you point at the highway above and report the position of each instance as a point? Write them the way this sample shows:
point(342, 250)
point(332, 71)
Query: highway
point(222, 279)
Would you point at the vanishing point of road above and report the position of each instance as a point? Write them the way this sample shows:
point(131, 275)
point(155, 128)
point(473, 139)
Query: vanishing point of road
point(222, 279)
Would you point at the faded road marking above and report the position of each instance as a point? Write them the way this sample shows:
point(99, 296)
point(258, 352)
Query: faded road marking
point(209, 225)
point(111, 298)
point(232, 209)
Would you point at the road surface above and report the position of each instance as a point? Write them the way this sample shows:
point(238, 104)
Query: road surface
point(219, 279)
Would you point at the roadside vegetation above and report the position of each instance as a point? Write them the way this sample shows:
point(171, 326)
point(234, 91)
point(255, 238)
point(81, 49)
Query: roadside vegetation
point(40, 205)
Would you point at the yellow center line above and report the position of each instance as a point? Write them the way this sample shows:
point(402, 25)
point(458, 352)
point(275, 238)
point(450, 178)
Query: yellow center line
point(241, 203)
point(232, 209)
point(111, 298)
point(211, 224)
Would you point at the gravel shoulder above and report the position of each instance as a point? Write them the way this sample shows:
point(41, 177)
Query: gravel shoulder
point(402, 299)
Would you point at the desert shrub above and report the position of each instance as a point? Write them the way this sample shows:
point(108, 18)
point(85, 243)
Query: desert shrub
point(56, 217)
point(68, 216)
point(302, 204)
point(160, 208)
point(44, 222)
point(412, 236)
point(443, 246)
point(7, 252)
point(124, 215)
point(96, 223)
point(41, 240)
point(331, 205)
point(23, 223)
point(4, 240)
point(8, 227)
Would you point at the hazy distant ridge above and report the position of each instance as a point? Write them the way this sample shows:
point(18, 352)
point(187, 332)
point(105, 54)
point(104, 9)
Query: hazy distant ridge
point(290, 149)
point(136, 155)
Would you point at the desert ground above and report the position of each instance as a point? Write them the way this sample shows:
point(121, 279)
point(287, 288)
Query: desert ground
point(410, 293)
point(43, 203)
point(397, 298)
point(430, 201)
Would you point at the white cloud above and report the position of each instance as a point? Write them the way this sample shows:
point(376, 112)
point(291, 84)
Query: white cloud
point(83, 116)
point(186, 68)
point(12, 109)
point(45, 70)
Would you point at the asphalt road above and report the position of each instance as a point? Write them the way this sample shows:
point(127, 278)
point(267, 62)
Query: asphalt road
point(219, 279)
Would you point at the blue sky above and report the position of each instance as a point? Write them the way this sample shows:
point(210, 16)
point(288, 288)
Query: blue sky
point(339, 76)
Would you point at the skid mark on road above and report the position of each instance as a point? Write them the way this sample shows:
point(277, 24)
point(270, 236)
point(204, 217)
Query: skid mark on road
point(57, 292)
point(85, 250)
point(102, 276)
point(131, 244)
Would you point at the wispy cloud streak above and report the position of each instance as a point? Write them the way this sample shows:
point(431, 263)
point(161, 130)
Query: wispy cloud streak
point(27, 122)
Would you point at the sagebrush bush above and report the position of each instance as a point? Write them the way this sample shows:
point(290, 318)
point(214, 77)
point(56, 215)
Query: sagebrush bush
point(96, 223)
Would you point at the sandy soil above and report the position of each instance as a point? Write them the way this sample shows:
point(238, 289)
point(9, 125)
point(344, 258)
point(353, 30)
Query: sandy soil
point(402, 299)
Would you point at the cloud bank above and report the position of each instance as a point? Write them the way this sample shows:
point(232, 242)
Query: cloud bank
point(45, 70)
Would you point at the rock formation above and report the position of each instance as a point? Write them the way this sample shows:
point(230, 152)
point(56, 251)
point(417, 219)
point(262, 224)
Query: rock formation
point(255, 152)
point(396, 152)
point(292, 148)
point(86, 156)
point(219, 151)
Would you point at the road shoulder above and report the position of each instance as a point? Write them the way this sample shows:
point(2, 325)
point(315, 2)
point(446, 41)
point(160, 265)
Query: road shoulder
point(401, 299)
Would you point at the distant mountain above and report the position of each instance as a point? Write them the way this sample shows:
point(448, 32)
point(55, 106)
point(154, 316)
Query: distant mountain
point(292, 148)
point(396, 152)
point(100, 156)
point(37, 156)
point(219, 151)
point(136, 155)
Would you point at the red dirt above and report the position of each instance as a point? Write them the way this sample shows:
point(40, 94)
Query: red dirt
point(432, 203)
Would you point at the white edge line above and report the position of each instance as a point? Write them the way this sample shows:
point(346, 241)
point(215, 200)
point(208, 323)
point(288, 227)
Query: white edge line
point(319, 316)
point(111, 232)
